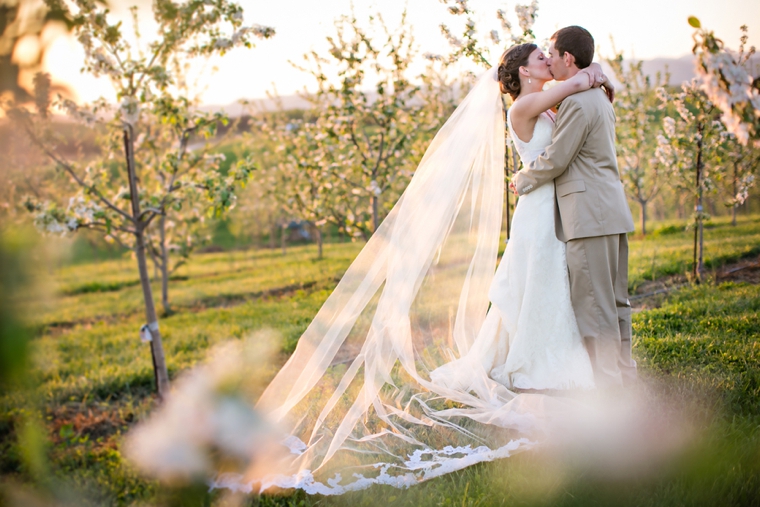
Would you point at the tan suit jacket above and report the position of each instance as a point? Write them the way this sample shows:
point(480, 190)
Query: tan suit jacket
point(582, 163)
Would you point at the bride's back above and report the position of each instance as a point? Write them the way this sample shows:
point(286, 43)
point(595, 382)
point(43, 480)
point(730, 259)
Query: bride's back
point(542, 137)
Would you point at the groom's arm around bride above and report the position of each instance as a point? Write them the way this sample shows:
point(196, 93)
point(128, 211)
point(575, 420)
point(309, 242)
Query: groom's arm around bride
point(592, 213)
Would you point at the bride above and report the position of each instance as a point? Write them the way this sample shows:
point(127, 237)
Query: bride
point(406, 373)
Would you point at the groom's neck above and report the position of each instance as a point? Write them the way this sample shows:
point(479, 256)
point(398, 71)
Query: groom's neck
point(571, 71)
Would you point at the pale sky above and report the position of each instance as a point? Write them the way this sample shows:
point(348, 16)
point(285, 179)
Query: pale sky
point(644, 29)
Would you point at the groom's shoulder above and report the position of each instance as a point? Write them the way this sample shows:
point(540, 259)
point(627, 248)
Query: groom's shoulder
point(588, 101)
point(588, 97)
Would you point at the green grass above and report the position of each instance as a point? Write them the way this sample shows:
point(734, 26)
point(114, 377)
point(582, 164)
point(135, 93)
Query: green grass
point(659, 255)
point(94, 376)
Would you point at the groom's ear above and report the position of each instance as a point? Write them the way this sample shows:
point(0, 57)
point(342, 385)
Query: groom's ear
point(568, 58)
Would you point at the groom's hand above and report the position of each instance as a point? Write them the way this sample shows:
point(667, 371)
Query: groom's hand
point(609, 89)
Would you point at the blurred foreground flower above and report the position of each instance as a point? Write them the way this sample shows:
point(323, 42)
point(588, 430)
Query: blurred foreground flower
point(207, 424)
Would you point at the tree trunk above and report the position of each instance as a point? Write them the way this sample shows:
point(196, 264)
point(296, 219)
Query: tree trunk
point(283, 239)
point(318, 236)
point(736, 190)
point(508, 192)
point(643, 205)
point(160, 372)
point(506, 159)
point(506, 183)
point(164, 268)
point(698, 233)
point(375, 213)
point(272, 233)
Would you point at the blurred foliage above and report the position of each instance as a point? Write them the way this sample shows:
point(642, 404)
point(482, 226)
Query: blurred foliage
point(152, 129)
point(21, 19)
point(14, 333)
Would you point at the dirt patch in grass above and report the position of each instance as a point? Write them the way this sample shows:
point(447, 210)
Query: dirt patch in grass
point(653, 293)
point(223, 301)
point(747, 271)
point(75, 422)
point(72, 422)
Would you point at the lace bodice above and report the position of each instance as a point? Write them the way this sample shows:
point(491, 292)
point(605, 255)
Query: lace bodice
point(542, 137)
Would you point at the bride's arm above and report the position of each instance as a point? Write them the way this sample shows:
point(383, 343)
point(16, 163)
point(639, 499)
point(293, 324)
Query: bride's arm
point(534, 104)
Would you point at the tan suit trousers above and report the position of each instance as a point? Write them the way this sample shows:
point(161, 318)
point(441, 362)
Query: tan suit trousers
point(598, 269)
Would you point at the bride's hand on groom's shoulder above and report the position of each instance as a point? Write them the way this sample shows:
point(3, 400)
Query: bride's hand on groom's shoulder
point(597, 79)
point(595, 75)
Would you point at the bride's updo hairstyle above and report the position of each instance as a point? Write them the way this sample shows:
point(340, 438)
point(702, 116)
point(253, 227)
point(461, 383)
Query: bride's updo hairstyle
point(509, 68)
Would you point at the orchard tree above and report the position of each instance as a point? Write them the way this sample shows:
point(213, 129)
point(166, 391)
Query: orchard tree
point(636, 106)
point(303, 180)
point(741, 163)
point(726, 78)
point(146, 172)
point(365, 136)
point(347, 160)
point(690, 149)
point(478, 46)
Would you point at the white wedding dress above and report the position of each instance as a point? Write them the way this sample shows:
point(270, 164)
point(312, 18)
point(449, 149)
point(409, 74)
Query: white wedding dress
point(530, 339)
point(407, 371)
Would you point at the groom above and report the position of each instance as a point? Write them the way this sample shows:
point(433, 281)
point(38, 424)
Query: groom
point(591, 212)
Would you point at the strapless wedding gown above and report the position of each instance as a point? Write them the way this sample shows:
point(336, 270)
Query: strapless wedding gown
point(530, 338)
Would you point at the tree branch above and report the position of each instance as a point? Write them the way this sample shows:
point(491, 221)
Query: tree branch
point(70, 170)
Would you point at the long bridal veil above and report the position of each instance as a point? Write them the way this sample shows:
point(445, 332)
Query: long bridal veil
point(356, 401)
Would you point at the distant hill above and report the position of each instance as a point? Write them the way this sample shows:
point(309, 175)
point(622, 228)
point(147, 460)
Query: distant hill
point(262, 104)
point(681, 70)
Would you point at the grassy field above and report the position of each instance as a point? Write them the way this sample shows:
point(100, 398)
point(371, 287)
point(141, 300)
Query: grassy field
point(93, 377)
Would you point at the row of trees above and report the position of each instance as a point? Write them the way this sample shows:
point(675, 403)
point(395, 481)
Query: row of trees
point(696, 141)
point(143, 187)
point(155, 171)
point(158, 172)
point(347, 160)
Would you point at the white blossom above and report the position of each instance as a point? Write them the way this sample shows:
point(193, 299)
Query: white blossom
point(130, 110)
point(502, 17)
point(727, 83)
point(470, 26)
point(75, 112)
point(526, 15)
point(222, 43)
point(262, 32)
point(433, 57)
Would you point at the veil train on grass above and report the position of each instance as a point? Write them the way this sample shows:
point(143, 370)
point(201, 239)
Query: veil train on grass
point(356, 399)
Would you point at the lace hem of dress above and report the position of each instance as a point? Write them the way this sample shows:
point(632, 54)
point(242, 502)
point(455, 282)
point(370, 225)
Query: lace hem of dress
point(420, 466)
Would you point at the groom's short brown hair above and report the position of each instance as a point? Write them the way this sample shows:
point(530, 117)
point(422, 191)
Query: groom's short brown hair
point(578, 42)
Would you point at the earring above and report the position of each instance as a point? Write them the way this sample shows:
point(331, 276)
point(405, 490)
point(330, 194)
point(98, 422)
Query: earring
point(529, 81)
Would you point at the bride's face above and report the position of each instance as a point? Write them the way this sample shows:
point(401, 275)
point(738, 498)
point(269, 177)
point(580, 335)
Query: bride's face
point(537, 66)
